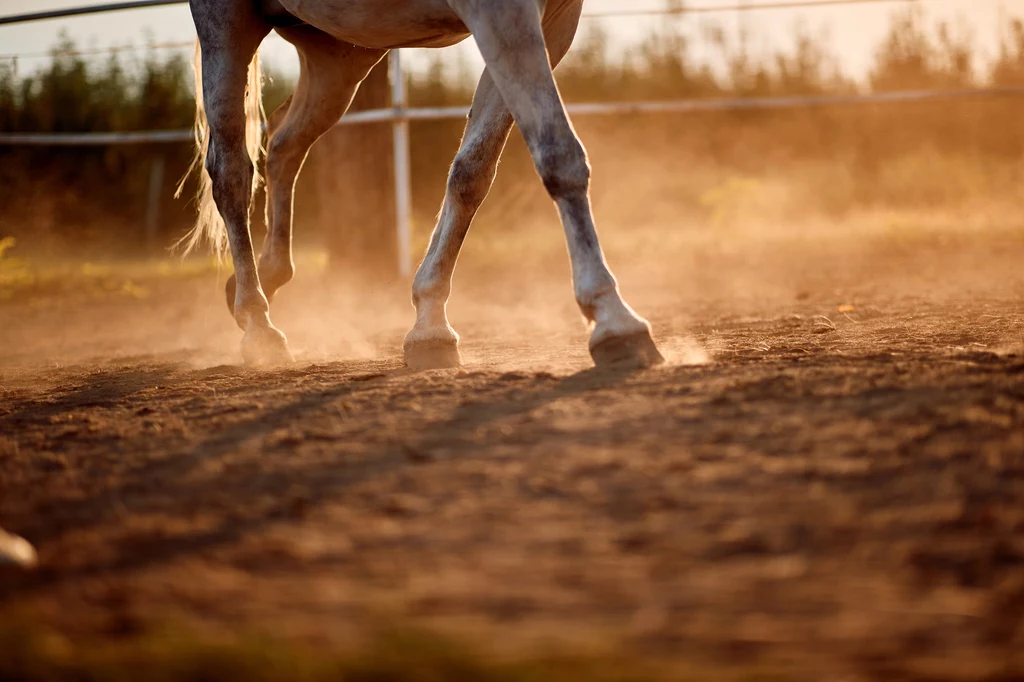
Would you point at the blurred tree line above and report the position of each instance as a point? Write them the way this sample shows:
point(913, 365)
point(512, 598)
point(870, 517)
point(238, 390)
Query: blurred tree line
point(50, 196)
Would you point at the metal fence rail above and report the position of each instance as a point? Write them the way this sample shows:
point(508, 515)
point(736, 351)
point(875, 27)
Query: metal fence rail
point(681, 106)
point(89, 9)
point(93, 139)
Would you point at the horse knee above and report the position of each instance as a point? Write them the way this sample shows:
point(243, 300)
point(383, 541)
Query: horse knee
point(470, 178)
point(284, 156)
point(564, 168)
point(225, 168)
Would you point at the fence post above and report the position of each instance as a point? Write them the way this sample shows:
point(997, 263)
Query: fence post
point(156, 185)
point(351, 170)
point(403, 178)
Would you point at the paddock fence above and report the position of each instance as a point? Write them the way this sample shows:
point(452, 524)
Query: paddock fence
point(399, 115)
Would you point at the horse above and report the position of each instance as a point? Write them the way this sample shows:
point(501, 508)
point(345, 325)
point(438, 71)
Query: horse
point(338, 43)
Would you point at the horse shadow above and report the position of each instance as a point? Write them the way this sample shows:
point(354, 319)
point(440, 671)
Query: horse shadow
point(222, 475)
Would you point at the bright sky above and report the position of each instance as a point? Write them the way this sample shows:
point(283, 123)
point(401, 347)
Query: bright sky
point(853, 30)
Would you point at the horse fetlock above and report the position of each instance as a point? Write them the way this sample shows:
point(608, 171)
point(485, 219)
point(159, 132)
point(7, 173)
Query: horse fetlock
point(251, 310)
point(597, 294)
point(612, 317)
point(432, 343)
point(432, 317)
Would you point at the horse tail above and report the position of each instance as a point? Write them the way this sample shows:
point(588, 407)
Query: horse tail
point(209, 227)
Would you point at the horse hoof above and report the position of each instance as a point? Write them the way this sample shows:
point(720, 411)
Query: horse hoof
point(432, 354)
point(265, 347)
point(15, 552)
point(229, 292)
point(634, 351)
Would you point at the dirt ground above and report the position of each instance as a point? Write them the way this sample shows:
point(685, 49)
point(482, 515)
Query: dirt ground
point(825, 482)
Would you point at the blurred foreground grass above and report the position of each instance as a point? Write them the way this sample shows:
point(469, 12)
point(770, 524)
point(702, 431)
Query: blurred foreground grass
point(35, 654)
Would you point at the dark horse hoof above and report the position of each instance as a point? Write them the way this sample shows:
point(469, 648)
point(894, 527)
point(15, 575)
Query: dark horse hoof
point(432, 354)
point(635, 351)
point(265, 347)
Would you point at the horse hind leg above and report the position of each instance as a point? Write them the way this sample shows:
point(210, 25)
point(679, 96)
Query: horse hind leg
point(432, 343)
point(512, 43)
point(228, 48)
point(330, 72)
point(267, 279)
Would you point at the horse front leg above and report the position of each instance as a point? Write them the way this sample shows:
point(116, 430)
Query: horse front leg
point(512, 43)
point(432, 343)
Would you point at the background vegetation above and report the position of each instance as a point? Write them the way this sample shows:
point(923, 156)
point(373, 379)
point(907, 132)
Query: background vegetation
point(706, 168)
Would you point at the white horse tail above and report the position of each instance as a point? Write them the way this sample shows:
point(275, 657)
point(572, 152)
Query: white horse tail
point(209, 225)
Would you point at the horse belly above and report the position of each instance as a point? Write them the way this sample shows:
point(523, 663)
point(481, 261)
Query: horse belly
point(383, 24)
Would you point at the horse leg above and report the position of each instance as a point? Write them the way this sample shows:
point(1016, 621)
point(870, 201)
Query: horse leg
point(432, 343)
point(274, 122)
point(512, 43)
point(228, 45)
point(330, 72)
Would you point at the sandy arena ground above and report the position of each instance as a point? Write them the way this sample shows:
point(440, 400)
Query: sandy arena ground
point(826, 481)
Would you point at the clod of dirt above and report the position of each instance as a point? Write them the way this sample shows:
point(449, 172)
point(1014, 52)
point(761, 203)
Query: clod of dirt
point(48, 461)
point(404, 505)
point(285, 438)
point(741, 538)
point(416, 455)
point(298, 502)
point(368, 377)
point(634, 542)
point(16, 552)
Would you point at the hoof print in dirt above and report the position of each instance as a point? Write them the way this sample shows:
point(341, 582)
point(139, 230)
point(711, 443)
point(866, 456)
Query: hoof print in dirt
point(636, 351)
point(433, 354)
point(16, 552)
point(266, 348)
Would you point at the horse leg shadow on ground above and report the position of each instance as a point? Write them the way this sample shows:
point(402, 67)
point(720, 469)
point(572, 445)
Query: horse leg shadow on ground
point(168, 477)
point(231, 476)
point(543, 390)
